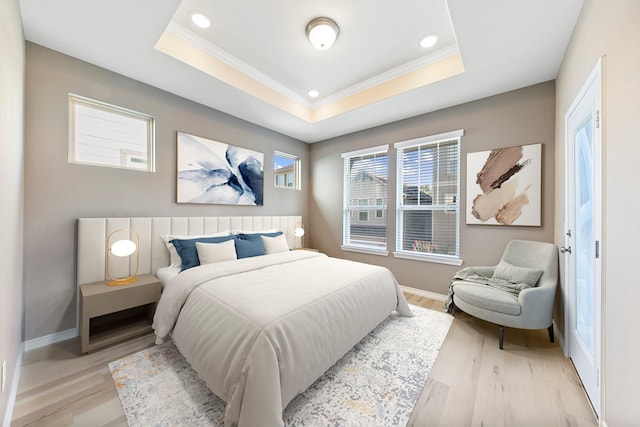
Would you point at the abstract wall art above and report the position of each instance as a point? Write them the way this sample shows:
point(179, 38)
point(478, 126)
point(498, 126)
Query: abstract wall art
point(214, 172)
point(504, 186)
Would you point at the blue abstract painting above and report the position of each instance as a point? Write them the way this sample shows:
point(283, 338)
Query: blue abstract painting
point(218, 173)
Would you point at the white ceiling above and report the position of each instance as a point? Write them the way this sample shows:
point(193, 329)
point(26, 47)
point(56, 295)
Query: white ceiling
point(255, 62)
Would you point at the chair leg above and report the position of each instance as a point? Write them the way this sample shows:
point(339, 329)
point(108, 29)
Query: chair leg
point(550, 329)
point(453, 309)
point(501, 336)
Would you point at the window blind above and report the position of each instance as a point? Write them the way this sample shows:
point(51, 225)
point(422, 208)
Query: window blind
point(365, 199)
point(427, 196)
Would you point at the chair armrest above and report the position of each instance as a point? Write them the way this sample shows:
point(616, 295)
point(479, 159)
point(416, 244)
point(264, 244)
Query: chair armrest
point(537, 304)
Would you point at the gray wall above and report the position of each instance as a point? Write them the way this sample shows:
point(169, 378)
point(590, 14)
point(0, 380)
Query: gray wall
point(611, 29)
point(57, 192)
point(11, 189)
point(524, 116)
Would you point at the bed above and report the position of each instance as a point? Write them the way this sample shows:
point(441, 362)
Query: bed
point(261, 329)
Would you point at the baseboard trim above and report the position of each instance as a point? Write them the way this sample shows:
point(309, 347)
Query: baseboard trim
point(50, 339)
point(13, 393)
point(560, 338)
point(423, 293)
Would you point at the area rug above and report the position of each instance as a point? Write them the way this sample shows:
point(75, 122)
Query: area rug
point(377, 383)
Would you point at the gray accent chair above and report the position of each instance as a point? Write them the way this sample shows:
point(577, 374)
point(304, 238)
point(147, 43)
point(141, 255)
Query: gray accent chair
point(532, 308)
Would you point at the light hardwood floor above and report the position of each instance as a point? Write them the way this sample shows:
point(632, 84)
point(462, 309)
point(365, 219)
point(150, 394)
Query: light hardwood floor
point(472, 383)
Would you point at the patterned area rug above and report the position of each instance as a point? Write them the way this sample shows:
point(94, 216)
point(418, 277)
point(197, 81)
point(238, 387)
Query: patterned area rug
point(377, 383)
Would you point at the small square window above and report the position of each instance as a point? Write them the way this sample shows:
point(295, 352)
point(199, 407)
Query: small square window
point(106, 135)
point(286, 170)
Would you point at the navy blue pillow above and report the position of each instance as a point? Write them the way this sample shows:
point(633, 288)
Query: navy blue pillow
point(248, 245)
point(188, 252)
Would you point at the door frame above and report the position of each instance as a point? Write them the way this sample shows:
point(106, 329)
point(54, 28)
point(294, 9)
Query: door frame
point(598, 72)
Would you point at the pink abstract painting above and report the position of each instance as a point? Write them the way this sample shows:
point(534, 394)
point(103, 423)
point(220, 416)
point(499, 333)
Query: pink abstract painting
point(504, 186)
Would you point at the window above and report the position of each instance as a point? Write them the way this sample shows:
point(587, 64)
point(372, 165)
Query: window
point(286, 168)
point(363, 215)
point(427, 217)
point(365, 182)
point(105, 135)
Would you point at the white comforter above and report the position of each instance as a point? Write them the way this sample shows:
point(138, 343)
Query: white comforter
point(261, 330)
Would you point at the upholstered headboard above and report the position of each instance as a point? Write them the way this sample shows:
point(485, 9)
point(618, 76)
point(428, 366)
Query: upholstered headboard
point(93, 233)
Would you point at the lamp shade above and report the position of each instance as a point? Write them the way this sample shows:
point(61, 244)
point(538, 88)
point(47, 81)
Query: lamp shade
point(299, 232)
point(122, 243)
point(322, 33)
point(123, 247)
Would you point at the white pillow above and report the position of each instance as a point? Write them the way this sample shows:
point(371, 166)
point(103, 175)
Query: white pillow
point(273, 245)
point(176, 261)
point(216, 252)
point(515, 274)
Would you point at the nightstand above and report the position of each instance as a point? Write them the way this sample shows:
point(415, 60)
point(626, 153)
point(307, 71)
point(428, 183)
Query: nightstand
point(110, 314)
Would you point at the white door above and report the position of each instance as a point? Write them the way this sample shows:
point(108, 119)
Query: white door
point(582, 248)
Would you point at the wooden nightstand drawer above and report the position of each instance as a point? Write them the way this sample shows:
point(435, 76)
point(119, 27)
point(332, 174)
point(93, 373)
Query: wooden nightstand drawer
point(111, 314)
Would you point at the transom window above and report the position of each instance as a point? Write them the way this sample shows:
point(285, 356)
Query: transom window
point(286, 170)
point(101, 134)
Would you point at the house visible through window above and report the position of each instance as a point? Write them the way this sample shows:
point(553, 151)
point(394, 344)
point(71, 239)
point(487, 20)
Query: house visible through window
point(365, 200)
point(428, 184)
point(106, 135)
point(286, 169)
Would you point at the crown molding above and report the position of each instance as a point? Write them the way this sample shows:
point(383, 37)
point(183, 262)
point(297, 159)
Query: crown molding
point(241, 66)
point(389, 75)
point(190, 37)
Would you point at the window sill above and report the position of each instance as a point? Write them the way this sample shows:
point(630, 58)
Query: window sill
point(281, 187)
point(428, 258)
point(370, 251)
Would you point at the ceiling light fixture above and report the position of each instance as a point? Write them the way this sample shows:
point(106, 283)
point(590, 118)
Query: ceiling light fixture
point(313, 93)
point(429, 41)
point(322, 33)
point(200, 20)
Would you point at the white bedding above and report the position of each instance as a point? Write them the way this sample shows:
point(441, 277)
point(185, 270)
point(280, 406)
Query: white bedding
point(165, 274)
point(261, 330)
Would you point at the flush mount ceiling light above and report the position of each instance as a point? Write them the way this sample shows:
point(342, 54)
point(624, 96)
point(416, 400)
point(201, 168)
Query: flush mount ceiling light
point(200, 20)
point(313, 93)
point(322, 33)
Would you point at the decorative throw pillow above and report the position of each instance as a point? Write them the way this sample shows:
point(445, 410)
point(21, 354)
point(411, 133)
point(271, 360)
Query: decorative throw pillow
point(271, 230)
point(515, 274)
point(273, 245)
point(187, 249)
point(176, 262)
point(250, 245)
point(208, 253)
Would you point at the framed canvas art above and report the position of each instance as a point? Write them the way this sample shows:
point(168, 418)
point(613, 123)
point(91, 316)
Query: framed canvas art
point(214, 172)
point(504, 186)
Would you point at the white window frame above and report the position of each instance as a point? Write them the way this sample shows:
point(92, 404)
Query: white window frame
point(347, 244)
point(297, 171)
point(400, 208)
point(127, 156)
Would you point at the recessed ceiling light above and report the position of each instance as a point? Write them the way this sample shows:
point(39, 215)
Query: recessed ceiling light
point(429, 41)
point(200, 20)
point(313, 93)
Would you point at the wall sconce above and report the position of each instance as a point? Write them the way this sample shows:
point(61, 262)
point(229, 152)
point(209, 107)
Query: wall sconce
point(322, 33)
point(299, 232)
point(122, 248)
